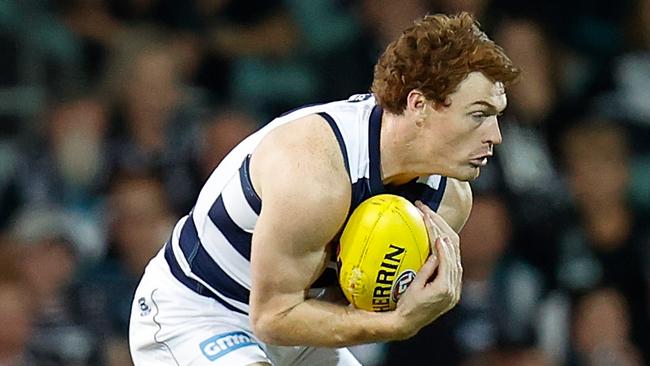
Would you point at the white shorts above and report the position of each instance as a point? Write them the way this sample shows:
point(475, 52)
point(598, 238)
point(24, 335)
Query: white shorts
point(172, 325)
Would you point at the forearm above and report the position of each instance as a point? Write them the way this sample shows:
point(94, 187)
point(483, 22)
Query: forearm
point(323, 324)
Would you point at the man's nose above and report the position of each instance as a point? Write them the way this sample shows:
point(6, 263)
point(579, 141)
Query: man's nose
point(494, 133)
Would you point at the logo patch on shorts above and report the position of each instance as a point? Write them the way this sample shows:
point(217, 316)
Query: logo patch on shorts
point(221, 344)
point(144, 308)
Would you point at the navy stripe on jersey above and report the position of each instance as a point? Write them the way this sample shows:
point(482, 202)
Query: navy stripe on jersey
point(339, 138)
point(360, 191)
point(374, 134)
point(247, 186)
point(190, 283)
point(202, 265)
point(436, 199)
point(329, 277)
point(236, 236)
point(414, 191)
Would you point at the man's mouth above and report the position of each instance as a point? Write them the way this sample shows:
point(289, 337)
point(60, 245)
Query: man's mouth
point(480, 161)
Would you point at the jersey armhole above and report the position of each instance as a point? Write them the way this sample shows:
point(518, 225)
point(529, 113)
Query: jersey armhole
point(251, 196)
point(339, 138)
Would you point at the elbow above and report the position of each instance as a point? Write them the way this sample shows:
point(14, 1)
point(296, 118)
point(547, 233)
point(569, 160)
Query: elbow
point(266, 328)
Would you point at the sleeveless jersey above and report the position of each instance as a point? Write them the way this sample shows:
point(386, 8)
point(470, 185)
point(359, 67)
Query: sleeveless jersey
point(209, 249)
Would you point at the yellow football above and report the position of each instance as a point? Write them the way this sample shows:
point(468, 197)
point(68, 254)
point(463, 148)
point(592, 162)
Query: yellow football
point(383, 245)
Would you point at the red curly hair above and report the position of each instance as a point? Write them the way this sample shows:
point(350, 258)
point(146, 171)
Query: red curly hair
point(434, 56)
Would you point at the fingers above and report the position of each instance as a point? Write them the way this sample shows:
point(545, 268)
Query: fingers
point(432, 228)
point(447, 244)
point(457, 276)
point(445, 262)
point(437, 219)
point(426, 271)
point(449, 279)
point(439, 228)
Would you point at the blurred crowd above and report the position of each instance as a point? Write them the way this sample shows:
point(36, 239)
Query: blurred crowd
point(113, 113)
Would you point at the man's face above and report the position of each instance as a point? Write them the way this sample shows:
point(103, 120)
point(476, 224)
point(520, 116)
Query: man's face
point(467, 129)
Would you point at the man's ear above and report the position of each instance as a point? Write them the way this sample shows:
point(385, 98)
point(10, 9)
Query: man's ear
point(416, 105)
point(416, 102)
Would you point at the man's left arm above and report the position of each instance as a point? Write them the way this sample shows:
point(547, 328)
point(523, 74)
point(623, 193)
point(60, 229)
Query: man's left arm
point(456, 203)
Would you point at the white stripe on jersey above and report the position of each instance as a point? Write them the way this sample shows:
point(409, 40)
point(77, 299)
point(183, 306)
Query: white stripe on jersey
point(432, 181)
point(182, 262)
point(353, 122)
point(233, 197)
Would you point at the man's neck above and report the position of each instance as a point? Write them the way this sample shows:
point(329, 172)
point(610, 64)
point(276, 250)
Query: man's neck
point(397, 146)
point(392, 149)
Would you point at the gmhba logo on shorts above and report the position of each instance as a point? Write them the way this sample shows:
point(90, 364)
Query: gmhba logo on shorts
point(221, 344)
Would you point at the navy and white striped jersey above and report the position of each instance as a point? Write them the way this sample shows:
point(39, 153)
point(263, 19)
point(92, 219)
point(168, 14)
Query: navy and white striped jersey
point(209, 250)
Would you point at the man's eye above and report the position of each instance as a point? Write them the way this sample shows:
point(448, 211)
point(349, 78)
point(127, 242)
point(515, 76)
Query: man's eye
point(479, 116)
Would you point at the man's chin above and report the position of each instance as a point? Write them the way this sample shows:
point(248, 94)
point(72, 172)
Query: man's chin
point(478, 172)
point(469, 175)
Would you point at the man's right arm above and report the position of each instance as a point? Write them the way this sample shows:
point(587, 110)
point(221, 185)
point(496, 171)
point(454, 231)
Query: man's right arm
point(299, 173)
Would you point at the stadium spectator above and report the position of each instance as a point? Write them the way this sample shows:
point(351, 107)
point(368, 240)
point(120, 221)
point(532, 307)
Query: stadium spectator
point(155, 115)
point(16, 317)
point(47, 257)
point(139, 218)
point(603, 243)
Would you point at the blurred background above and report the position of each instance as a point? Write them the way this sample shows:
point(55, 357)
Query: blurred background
point(113, 113)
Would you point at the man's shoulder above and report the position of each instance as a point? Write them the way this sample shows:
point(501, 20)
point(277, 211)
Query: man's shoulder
point(307, 152)
point(462, 190)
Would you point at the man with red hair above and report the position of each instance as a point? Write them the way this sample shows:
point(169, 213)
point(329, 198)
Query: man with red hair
point(234, 284)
